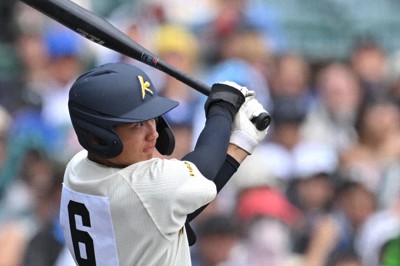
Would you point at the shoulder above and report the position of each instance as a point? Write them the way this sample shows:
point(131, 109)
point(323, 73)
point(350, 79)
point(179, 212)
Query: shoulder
point(80, 156)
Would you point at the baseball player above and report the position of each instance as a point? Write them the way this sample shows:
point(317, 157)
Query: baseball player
point(121, 206)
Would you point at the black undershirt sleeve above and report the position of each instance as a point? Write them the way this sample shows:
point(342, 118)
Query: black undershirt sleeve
point(227, 170)
point(210, 151)
point(210, 156)
point(229, 167)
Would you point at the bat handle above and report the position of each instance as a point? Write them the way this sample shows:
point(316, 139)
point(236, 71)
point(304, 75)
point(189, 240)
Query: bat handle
point(262, 121)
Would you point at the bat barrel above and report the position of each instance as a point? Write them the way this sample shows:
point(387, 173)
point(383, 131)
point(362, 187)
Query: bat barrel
point(102, 32)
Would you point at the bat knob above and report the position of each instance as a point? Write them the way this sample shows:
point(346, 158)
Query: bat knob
point(262, 121)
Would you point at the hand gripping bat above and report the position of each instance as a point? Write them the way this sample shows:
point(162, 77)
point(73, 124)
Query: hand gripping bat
point(100, 31)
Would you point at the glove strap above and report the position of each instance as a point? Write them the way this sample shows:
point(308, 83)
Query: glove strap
point(225, 96)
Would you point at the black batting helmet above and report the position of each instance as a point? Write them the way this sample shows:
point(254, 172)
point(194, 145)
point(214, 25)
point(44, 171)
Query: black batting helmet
point(114, 94)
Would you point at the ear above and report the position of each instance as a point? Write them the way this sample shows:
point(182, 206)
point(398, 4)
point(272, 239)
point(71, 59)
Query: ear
point(166, 139)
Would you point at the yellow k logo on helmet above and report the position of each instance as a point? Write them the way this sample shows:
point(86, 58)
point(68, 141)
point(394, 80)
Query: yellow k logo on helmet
point(144, 86)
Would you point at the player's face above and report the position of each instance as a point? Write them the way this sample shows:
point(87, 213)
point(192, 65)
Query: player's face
point(139, 140)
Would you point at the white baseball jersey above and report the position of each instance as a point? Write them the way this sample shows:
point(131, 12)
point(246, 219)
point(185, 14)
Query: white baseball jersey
point(131, 216)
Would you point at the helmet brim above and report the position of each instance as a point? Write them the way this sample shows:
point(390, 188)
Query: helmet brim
point(154, 107)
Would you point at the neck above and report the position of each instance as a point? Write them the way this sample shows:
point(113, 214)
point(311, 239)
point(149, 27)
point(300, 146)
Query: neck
point(104, 161)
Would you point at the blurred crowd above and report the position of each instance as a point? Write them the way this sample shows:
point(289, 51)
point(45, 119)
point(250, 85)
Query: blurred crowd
point(322, 189)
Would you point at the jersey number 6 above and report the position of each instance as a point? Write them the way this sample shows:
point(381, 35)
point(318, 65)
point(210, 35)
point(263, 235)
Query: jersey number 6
point(81, 238)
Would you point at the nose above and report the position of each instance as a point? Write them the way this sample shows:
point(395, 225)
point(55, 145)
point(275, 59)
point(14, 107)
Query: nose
point(152, 129)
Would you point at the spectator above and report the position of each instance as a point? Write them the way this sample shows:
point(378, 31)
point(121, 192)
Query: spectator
point(186, 13)
point(64, 48)
point(289, 155)
point(335, 232)
point(139, 20)
point(45, 247)
point(378, 144)
point(218, 234)
point(338, 98)
point(313, 194)
point(234, 16)
point(369, 60)
point(33, 59)
point(268, 220)
point(378, 230)
point(25, 206)
point(291, 76)
point(27, 132)
point(260, 56)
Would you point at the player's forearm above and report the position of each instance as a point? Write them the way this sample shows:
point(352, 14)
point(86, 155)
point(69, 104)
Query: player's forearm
point(237, 153)
point(212, 145)
point(227, 170)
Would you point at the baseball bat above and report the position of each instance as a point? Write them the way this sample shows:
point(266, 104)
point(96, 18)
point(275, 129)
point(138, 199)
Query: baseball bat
point(100, 31)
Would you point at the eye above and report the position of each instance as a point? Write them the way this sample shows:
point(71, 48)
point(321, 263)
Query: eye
point(139, 124)
point(143, 123)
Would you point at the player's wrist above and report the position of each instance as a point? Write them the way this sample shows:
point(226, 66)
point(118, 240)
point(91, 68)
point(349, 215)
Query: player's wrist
point(243, 140)
point(237, 153)
point(225, 96)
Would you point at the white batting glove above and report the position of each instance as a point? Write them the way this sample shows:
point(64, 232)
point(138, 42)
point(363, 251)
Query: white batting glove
point(246, 92)
point(244, 133)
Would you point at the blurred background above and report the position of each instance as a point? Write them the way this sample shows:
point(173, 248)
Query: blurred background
point(322, 189)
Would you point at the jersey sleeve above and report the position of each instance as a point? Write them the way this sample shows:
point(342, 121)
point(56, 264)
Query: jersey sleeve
point(169, 190)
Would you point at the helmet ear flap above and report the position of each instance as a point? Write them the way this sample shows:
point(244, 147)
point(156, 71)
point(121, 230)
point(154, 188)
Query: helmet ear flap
point(98, 140)
point(166, 141)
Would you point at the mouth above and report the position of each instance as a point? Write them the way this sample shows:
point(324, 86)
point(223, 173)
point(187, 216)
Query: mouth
point(146, 149)
point(149, 148)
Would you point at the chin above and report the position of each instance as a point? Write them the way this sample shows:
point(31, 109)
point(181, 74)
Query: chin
point(148, 156)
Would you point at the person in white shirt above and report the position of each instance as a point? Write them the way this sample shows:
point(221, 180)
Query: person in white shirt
point(121, 205)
